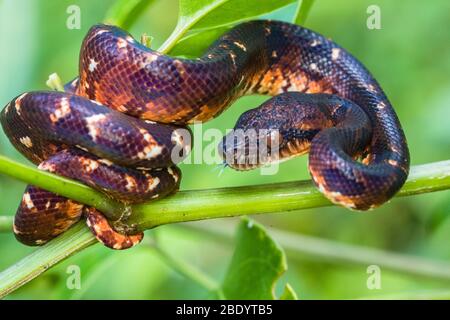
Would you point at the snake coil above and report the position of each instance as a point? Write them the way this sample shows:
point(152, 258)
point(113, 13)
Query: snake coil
point(117, 125)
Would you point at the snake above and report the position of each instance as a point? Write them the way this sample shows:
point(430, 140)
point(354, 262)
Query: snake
point(117, 126)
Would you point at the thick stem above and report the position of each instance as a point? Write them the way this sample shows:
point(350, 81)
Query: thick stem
point(74, 240)
point(215, 203)
point(183, 206)
point(62, 186)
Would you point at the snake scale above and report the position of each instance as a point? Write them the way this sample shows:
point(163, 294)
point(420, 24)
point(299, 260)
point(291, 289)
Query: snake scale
point(116, 125)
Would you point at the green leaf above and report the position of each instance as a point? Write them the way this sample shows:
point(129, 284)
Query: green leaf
point(233, 11)
point(257, 264)
point(288, 293)
point(194, 45)
point(303, 8)
point(208, 14)
point(125, 12)
point(201, 34)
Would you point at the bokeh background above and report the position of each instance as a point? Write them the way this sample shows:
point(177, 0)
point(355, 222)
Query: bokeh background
point(410, 57)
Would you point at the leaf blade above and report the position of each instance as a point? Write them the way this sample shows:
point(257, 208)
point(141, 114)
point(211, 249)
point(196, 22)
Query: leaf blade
point(125, 12)
point(194, 45)
point(205, 14)
point(233, 11)
point(288, 293)
point(303, 9)
point(257, 264)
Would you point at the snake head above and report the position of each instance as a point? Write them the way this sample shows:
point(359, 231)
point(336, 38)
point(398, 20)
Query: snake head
point(281, 128)
point(252, 143)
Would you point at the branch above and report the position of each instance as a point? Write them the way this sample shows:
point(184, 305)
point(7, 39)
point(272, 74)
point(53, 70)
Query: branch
point(70, 188)
point(181, 207)
point(215, 203)
point(74, 240)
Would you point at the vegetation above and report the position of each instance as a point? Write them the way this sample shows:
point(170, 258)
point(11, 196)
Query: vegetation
point(407, 238)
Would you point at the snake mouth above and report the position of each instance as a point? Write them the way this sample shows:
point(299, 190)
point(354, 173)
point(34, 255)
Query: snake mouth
point(240, 154)
point(245, 156)
point(239, 158)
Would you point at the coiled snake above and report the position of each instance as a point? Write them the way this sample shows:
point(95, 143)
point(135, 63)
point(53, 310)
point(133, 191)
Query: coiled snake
point(117, 125)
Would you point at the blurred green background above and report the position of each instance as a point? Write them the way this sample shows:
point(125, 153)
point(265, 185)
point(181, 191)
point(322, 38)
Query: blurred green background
point(410, 57)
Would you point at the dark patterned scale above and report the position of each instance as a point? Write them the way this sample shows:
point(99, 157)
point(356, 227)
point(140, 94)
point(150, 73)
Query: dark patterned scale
point(98, 132)
point(124, 157)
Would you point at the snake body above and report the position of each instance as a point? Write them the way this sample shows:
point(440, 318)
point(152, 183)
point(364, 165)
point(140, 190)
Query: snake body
point(117, 125)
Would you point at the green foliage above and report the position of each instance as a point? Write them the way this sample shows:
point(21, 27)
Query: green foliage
point(209, 19)
point(418, 226)
point(303, 8)
point(125, 12)
point(258, 262)
point(207, 14)
point(288, 293)
point(198, 16)
point(193, 45)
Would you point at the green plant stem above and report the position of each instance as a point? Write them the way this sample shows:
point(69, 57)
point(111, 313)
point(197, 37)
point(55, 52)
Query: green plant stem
point(74, 240)
point(268, 198)
point(298, 246)
point(181, 207)
point(216, 203)
point(63, 186)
